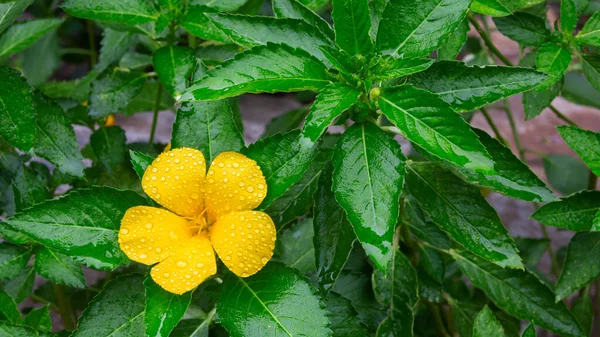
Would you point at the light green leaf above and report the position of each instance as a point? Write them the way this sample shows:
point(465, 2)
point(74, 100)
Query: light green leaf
point(452, 45)
point(575, 212)
point(128, 12)
point(486, 324)
point(501, 7)
point(20, 287)
point(296, 10)
point(221, 5)
point(461, 211)
point(38, 69)
point(201, 26)
point(140, 162)
point(413, 31)
point(343, 317)
point(133, 60)
point(529, 331)
point(8, 309)
point(11, 330)
point(13, 259)
point(568, 17)
point(585, 143)
point(526, 29)
point(468, 88)
point(429, 122)
point(22, 35)
point(9, 11)
point(163, 309)
point(367, 180)
point(117, 311)
point(109, 147)
point(553, 60)
point(114, 45)
point(591, 69)
point(146, 99)
point(59, 268)
point(590, 33)
point(39, 319)
point(581, 264)
point(276, 297)
point(112, 92)
point(271, 68)
point(174, 64)
point(352, 23)
point(17, 114)
point(29, 186)
point(565, 173)
point(295, 246)
point(83, 223)
point(390, 67)
point(535, 101)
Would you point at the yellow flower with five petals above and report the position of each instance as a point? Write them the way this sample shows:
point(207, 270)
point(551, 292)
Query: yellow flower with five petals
point(206, 212)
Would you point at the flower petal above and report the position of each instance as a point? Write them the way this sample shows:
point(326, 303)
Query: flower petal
point(149, 234)
point(244, 241)
point(191, 264)
point(176, 181)
point(234, 183)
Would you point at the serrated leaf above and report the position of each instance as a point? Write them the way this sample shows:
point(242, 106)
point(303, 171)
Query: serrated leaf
point(113, 91)
point(553, 60)
point(17, 114)
point(525, 28)
point(59, 268)
point(352, 23)
point(461, 211)
point(286, 122)
point(486, 324)
point(201, 26)
point(529, 331)
point(295, 246)
point(117, 311)
point(174, 64)
point(109, 147)
point(222, 5)
point(452, 45)
point(501, 7)
point(357, 287)
point(296, 10)
point(581, 264)
point(463, 314)
point(163, 309)
point(585, 143)
point(343, 317)
point(37, 70)
point(330, 103)
point(468, 88)
point(20, 287)
point(134, 60)
point(568, 16)
point(367, 180)
point(432, 263)
point(535, 101)
point(128, 12)
point(590, 33)
point(565, 173)
point(207, 126)
point(22, 35)
point(591, 69)
point(146, 99)
point(12, 330)
point(8, 309)
point(270, 68)
point(431, 123)
point(423, 228)
point(13, 259)
point(10, 11)
point(583, 310)
point(140, 162)
point(29, 187)
point(275, 301)
point(520, 294)
point(282, 160)
point(114, 45)
point(410, 31)
point(390, 67)
point(575, 212)
point(39, 319)
point(83, 223)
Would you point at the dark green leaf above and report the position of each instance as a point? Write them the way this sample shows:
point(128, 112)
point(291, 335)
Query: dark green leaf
point(133, 60)
point(535, 101)
point(575, 212)
point(578, 89)
point(29, 187)
point(9, 11)
point(17, 114)
point(213, 55)
point(565, 173)
point(468, 88)
point(431, 123)
point(583, 310)
point(412, 31)
point(422, 228)
point(129, 12)
point(59, 268)
point(295, 246)
point(568, 16)
point(591, 69)
point(452, 45)
point(117, 311)
point(84, 223)
point(38, 69)
point(274, 302)
point(13, 259)
point(109, 147)
point(201, 26)
point(390, 67)
point(529, 331)
point(287, 122)
point(343, 317)
point(486, 324)
point(112, 92)
point(501, 7)
point(357, 287)
point(432, 263)
point(296, 10)
point(553, 60)
point(174, 64)
point(520, 294)
point(581, 265)
point(24, 34)
point(39, 319)
point(367, 180)
point(163, 309)
point(352, 23)
point(463, 314)
point(146, 99)
point(282, 160)
point(20, 287)
point(532, 250)
point(10, 330)
point(585, 143)
point(461, 211)
point(8, 309)
point(140, 162)
point(331, 102)
point(114, 45)
point(526, 29)
point(270, 68)
point(193, 327)
point(590, 33)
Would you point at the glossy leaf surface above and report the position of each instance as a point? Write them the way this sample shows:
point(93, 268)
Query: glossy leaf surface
point(575, 212)
point(581, 264)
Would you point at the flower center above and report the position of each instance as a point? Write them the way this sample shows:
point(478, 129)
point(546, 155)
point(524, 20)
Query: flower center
point(199, 223)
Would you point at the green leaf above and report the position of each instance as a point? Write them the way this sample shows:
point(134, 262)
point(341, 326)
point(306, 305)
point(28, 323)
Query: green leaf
point(17, 114)
point(39, 319)
point(251, 31)
point(367, 180)
point(201, 26)
point(591, 69)
point(585, 143)
point(20, 287)
point(529, 331)
point(83, 223)
point(9, 11)
point(431, 123)
point(553, 60)
point(461, 211)
point(38, 69)
point(10, 330)
point(109, 147)
point(117, 311)
point(590, 33)
point(207, 126)
point(333, 233)
point(286, 122)
point(398, 289)
point(486, 324)
point(352, 23)
point(568, 17)
point(128, 12)
point(22, 35)
point(432, 263)
point(222, 5)
point(581, 265)
point(452, 45)
point(535, 101)
point(343, 317)
point(114, 45)
point(356, 286)
point(532, 250)
point(565, 173)
point(520, 294)
point(501, 7)
point(295, 246)
point(59, 268)
point(174, 64)
point(525, 28)
point(55, 137)
point(113, 91)
point(277, 298)
point(8, 309)
point(514, 179)
point(146, 99)
point(409, 31)
point(578, 89)
point(282, 160)
point(583, 310)
point(463, 314)
point(13, 259)
point(163, 309)
point(133, 60)
point(140, 162)
point(296, 10)
point(421, 227)
point(271, 68)
point(575, 212)
point(391, 67)
point(331, 102)
point(468, 88)
point(29, 187)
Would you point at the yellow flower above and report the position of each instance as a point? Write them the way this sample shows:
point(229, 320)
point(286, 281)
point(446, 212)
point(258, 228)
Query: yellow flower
point(206, 211)
point(109, 120)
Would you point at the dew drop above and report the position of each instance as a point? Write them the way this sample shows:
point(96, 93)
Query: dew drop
point(148, 225)
point(250, 189)
point(181, 264)
point(124, 231)
point(264, 260)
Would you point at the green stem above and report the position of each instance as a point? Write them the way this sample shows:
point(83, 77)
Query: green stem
point(488, 41)
point(437, 318)
point(490, 121)
point(561, 115)
point(80, 51)
point(64, 307)
point(515, 132)
point(92, 40)
point(553, 260)
point(155, 111)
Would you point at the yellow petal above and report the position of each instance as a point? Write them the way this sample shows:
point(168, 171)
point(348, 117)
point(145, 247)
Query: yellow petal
point(176, 180)
point(244, 241)
point(191, 264)
point(148, 234)
point(234, 182)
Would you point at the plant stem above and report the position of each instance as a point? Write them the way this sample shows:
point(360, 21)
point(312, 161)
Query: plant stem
point(488, 41)
point(491, 123)
point(80, 51)
point(155, 111)
point(92, 40)
point(561, 116)
point(553, 260)
point(515, 132)
point(64, 307)
point(437, 318)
